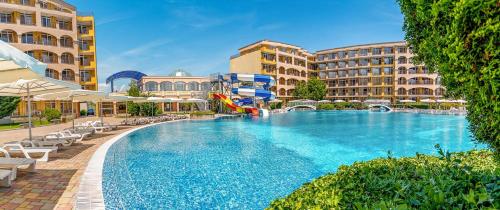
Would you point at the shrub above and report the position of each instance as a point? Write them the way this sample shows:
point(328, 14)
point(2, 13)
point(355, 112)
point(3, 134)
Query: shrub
point(465, 180)
point(276, 105)
point(51, 114)
point(7, 105)
point(83, 112)
point(200, 113)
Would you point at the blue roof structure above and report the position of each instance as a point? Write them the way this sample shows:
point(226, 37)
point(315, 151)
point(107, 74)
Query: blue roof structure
point(130, 74)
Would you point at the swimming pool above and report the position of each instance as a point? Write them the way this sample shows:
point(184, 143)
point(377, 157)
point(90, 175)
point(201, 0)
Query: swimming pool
point(246, 163)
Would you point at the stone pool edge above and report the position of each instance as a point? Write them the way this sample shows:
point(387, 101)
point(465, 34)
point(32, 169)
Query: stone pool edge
point(90, 193)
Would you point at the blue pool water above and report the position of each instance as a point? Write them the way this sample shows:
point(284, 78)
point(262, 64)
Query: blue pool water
point(246, 163)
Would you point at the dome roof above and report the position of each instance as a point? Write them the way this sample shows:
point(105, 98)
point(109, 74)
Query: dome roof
point(179, 73)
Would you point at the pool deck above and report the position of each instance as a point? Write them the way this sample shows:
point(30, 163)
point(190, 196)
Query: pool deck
point(56, 182)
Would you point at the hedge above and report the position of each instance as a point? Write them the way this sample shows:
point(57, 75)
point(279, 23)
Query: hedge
point(467, 180)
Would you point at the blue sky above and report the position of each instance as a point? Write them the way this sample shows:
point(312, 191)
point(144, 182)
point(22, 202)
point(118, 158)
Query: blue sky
point(159, 36)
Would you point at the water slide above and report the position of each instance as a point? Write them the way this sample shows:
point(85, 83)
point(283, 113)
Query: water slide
point(230, 104)
point(261, 93)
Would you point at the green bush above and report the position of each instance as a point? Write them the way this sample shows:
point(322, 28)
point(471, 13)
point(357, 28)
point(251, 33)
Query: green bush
point(467, 180)
point(324, 106)
point(276, 105)
point(200, 113)
point(51, 114)
point(7, 105)
point(83, 112)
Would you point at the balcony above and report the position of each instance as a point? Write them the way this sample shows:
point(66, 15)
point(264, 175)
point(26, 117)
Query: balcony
point(267, 50)
point(263, 60)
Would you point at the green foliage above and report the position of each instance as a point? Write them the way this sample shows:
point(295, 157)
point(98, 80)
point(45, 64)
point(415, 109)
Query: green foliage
point(468, 180)
point(133, 89)
point(51, 114)
point(460, 40)
point(341, 106)
point(200, 113)
point(83, 112)
point(314, 89)
point(276, 105)
point(7, 105)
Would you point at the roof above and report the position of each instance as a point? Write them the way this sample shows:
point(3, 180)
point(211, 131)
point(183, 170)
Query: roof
point(362, 45)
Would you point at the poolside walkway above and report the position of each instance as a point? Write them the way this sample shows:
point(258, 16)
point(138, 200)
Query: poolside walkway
point(55, 184)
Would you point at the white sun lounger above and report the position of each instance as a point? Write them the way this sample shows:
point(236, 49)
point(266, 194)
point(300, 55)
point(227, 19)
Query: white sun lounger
point(17, 147)
point(5, 178)
point(16, 163)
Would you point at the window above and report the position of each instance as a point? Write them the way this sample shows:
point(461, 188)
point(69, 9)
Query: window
point(352, 63)
point(84, 61)
point(25, 2)
point(47, 39)
point(322, 66)
point(66, 25)
point(331, 65)
point(401, 70)
point(68, 75)
point(67, 58)
point(26, 19)
point(402, 50)
point(388, 80)
point(402, 81)
point(7, 36)
point(412, 70)
point(342, 73)
point(30, 53)
point(388, 91)
point(5, 18)
point(376, 51)
point(388, 60)
point(388, 50)
point(66, 41)
point(85, 76)
point(331, 56)
point(376, 61)
point(321, 57)
point(363, 81)
point(46, 21)
point(375, 71)
point(151, 86)
point(352, 53)
point(363, 62)
point(388, 70)
point(332, 74)
point(43, 5)
point(83, 29)
point(363, 72)
point(27, 38)
point(180, 86)
point(363, 52)
point(402, 60)
point(51, 73)
point(206, 86)
point(166, 86)
point(194, 86)
point(322, 75)
point(341, 64)
point(83, 45)
point(353, 72)
point(48, 57)
point(377, 81)
point(341, 54)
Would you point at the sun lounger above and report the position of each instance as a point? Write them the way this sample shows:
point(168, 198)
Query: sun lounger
point(16, 163)
point(5, 178)
point(17, 147)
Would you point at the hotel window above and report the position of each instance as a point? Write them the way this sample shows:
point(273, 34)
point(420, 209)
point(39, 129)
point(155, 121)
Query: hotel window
point(84, 61)
point(321, 57)
point(352, 63)
point(363, 62)
point(331, 56)
point(331, 65)
point(388, 80)
point(268, 57)
point(412, 70)
point(375, 71)
point(67, 58)
point(180, 86)
point(376, 61)
point(26, 19)
point(352, 53)
point(402, 50)
point(402, 70)
point(363, 52)
point(68, 75)
point(332, 74)
point(377, 81)
point(388, 70)
point(341, 54)
point(206, 86)
point(83, 29)
point(342, 83)
point(30, 53)
point(376, 51)
point(363, 72)
point(388, 91)
point(388, 60)
point(47, 21)
point(376, 91)
point(27, 38)
point(47, 39)
point(25, 2)
point(66, 25)
point(364, 91)
point(438, 80)
point(363, 81)
point(151, 86)
point(194, 86)
point(388, 50)
point(402, 60)
point(352, 82)
point(50, 105)
point(51, 73)
point(49, 57)
point(7, 36)
point(341, 64)
point(166, 86)
point(425, 70)
point(5, 18)
point(43, 5)
point(353, 72)
point(322, 75)
point(331, 83)
point(342, 73)
point(85, 76)
point(322, 66)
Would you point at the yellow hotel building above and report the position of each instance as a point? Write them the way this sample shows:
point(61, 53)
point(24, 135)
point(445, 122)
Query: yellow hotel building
point(53, 32)
point(360, 72)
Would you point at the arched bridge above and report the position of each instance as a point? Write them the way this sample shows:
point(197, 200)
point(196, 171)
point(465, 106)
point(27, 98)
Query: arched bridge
point(380, 106)
point(300, 106)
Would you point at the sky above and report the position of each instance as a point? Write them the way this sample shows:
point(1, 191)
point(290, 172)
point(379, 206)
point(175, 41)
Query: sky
point(157, 37)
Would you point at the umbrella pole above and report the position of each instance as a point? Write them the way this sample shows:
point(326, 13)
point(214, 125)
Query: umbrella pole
point(29, 111)
point(102, 113)
point(72, 113)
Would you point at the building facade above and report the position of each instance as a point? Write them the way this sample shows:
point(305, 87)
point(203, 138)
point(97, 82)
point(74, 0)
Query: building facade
point(52, 31)
point(178, 84)
point(361, 72)
point(288, 64)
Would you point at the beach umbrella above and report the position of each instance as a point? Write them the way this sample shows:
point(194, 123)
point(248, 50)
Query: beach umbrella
point(338, 101)
point(427, 100)
point(406, 101)
point(324, 101)
point(22, 75)
point(75, 96)
point(461, 101)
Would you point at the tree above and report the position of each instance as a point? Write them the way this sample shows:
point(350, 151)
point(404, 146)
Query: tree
point(7, 105)
point(317, 89)
point(460, 40)
point(301, 91)
point(133, 89)
point(51, 114)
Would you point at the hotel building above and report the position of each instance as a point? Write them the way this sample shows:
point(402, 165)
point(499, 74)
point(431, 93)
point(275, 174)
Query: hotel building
point(361, 72)
point(53, 32)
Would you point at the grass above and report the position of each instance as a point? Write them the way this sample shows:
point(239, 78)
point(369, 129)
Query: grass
point(12, 126)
